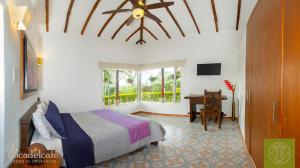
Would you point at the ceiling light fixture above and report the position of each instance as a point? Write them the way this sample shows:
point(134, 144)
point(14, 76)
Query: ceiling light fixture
point(139, 12)
point(20, 16)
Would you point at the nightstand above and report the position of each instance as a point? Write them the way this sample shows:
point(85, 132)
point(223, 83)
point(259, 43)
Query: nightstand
point(54, 161)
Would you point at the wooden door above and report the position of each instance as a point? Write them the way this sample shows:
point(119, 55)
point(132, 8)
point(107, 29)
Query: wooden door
point(291, 74)
point(249, 44)
point(264, 64)
point(272, 67)
point(256, 88)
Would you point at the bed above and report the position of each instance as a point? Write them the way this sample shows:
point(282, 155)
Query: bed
point(94, 136)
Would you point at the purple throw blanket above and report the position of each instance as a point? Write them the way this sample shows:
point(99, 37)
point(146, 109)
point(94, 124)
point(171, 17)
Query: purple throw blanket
point(138, 129)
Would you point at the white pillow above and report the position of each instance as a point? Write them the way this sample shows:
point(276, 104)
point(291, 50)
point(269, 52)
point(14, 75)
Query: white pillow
point(43, 106)
point(39, 124)
point(46, 102)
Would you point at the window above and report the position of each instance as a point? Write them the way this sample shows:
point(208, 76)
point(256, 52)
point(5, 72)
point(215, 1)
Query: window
point(127, 86)
point(109, 87)
point(151, 85)
point(169, 84)
point(119, 86)
point(178, 84)
point(156, 85)
point(161, 85)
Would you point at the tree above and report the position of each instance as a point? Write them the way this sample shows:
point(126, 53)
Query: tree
point(107, 77)
point(152, 78)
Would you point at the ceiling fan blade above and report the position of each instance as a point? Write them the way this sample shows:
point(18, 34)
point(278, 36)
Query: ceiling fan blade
point(129, 21)
point(134, 3)
point(153, 17)
point(117, 11)
point(159, 5)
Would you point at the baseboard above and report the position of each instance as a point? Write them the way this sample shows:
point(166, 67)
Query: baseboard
point(161, 114)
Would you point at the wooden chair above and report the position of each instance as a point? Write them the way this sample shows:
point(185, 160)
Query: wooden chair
point(212, 107)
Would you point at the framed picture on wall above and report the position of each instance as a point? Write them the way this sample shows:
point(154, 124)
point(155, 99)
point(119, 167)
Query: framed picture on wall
point(28, 67)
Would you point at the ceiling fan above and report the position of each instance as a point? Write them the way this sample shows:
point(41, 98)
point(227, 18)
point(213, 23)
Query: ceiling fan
point(140, 9)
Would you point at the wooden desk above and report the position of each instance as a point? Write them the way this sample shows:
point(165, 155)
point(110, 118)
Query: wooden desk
point(194, 100)
point(52, 162)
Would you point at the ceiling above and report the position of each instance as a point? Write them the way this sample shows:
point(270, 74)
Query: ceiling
point(226, 11)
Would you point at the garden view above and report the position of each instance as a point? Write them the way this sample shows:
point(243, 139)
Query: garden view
point(151, 85)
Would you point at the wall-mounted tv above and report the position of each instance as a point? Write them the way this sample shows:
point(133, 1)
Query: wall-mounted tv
point(209, 69)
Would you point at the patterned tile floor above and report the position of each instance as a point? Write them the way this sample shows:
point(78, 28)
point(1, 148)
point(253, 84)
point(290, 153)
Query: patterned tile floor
point(187, 145)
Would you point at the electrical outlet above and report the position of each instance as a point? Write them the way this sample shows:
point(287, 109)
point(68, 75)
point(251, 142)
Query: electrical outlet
point(14, 75)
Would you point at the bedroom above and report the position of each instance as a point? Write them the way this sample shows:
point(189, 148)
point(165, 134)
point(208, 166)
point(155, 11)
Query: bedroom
point(73, 62)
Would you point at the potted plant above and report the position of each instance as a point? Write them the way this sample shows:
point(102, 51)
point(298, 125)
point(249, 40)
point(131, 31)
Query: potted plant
point(231, 87)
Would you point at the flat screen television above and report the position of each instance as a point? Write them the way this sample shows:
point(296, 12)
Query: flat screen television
point(209, 69)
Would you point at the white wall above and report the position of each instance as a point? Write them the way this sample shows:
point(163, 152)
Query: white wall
point(247, 8)
point(2, 112)
point(242, 83)
point(14, 107)
point(71, 75)
point(222, 47)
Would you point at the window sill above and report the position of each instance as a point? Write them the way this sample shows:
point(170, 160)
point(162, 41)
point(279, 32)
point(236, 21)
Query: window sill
point(160, 102)
point(141, 103)
point(115, 105)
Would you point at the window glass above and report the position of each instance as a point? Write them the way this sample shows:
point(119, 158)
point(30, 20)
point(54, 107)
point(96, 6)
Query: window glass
point(109, 87)
point(178, 84)
point(127, 86)
point(151, 85)
point(169, 84)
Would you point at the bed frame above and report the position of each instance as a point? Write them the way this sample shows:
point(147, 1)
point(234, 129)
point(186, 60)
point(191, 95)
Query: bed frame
point(27, 128)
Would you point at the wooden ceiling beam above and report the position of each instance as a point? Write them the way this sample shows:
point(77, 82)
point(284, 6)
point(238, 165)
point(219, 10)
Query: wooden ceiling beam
point(111, 17)
point(90, 16)
point(213, 6)
point(121, 26)
point(238, 15)
point(175, 21)
point(192, 15)
point(47, 14)
point(140, 41)
point(142, 31)
point(147, 30)
point(162, 27)
point(68, 15)
point(129, 37)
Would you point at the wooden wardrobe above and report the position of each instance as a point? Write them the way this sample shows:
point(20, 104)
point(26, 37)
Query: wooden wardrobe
point(273, 75)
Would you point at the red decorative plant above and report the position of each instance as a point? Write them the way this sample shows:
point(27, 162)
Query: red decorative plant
point(231, 87)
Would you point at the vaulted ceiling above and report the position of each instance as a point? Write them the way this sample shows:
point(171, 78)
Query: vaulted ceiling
point(185, 19)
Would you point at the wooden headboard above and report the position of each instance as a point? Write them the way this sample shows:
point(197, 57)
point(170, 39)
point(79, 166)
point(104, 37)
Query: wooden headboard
point(27, 128)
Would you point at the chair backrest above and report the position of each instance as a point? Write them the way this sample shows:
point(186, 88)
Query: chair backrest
point(212, 100)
